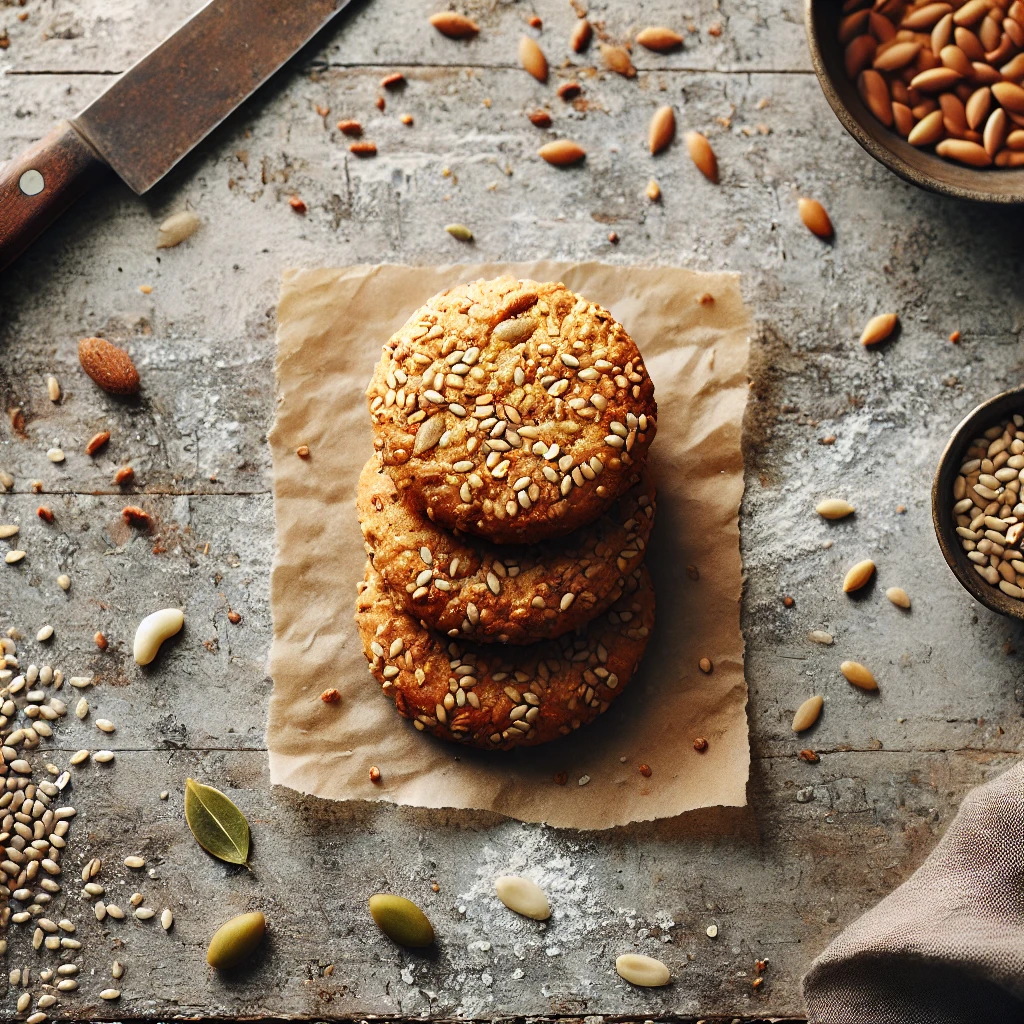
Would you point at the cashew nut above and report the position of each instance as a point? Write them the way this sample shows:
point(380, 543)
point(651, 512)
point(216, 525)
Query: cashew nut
point(154, 630)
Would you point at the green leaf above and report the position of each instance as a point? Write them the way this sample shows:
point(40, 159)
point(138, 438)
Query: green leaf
point(219, 826)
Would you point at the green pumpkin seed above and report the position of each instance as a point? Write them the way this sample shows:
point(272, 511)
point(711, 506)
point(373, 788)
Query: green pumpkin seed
point(219, 826)
point(401, 920)
point(459, 231)
point(236, 940)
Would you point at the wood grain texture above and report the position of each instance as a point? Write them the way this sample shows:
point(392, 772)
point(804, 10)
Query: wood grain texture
point(65, 165)
point(780, 877)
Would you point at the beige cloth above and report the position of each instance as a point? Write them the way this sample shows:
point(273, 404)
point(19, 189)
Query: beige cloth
point(947, 947)
point(331, 324)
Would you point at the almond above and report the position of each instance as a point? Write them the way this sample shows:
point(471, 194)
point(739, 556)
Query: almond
point(897, 56)
point(859, 54)
point(454, 25)
point(579, 40)
point(878, 328)
point(659, 39)
point(815, 218)
point(363, 148)
point(702, 155)
point(925, 17)
point(1010, 96)
point(935, 80)
point(562, 152)
point(964, 152)
point(978, 107)
point(350, 127)
point(858, 576)
point(616, 58)
point(928, 130)
point(662, 129)
point(109, 366)
point(996, 128)
point(807, 714)
point(124, 476)
point(875, 94)
point(858, 675)
point(531, 56)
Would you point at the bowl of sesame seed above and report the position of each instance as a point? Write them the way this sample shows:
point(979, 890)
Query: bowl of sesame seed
point(978, 505)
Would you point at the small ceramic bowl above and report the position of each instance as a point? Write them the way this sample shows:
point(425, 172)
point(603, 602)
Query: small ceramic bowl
point(986, 415)
point(918, 166)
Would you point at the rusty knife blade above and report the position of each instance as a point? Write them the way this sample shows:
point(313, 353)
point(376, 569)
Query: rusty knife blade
point(168, 102)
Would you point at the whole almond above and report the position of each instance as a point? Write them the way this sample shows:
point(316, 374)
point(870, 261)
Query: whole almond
point(858, 576)
point(807, 714)
point(616, 58)
point(878, 328)
point(579, 40)
point(928, 130)
point(1010, 96)
point(834, 508)
point(662, 129)
point(972, 12)
point(956, 60)
point(659, 39)
point(853, 25)
point(109, 366)
point(924, 17)
point(1015, 140)
point(875, 94)
point(964, 152)
point(995, 134)
point(815, 218)
point(978, 107)
point(702, 155)
point(896, 56)
point(898, 596)
point(858, 675)
point(935, 80)
point(859, 54)
point(454, 25)
point(531, 56)
point(363, 148)
point(562, 152)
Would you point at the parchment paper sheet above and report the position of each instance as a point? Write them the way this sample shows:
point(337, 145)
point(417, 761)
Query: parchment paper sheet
point(331, 324)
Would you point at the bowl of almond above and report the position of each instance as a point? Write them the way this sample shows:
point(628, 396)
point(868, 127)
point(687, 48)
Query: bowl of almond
point(978, 503)
point(932, 90)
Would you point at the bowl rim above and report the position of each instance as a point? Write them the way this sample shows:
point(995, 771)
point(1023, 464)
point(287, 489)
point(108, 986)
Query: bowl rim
point(951, 549)
point(881, 153)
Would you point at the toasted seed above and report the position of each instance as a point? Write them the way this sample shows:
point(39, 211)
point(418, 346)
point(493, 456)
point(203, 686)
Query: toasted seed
point(134, 862)
point(878, 328)
point(166, 920)
point(96, 442)
point(144, 913)
point(110, 993)
point(461, 232)
point(401, 920)
point(454, 25)
point(702, 155)
point(82, 711)
point(816, 220)
point(819, 636)
point(807, 714)
point(8, 530)
point(176, 228)
point(642, 970)
point(523, 896)
point(858, 575)
point(858, 675)
point(616, 58)
point(562, 152)
point(103, 756)
point(834, 508)
point(964, 152)
point(531, 56)
point(104, 725)
point(662, 129)
point(659, 39)
point(579, 39)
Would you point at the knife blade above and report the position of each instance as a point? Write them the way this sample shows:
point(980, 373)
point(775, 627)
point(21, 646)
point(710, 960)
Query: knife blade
point(157, 111)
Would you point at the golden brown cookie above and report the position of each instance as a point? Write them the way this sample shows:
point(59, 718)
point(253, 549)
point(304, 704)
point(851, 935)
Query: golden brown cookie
point(510, 409)
point(466, 586)
point(499, 697)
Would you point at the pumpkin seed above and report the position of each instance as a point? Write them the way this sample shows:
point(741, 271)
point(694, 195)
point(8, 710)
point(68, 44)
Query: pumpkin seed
point(662, 129)
point(459, 231)
point(858, 675)
point(110, 993)
point(236, 940)
point(562, 152)
point(642, 970)
point(218, 825)
point(815, 218)
point(523, 896)
point(401, 920)
point(659, 39)
point(531, 56)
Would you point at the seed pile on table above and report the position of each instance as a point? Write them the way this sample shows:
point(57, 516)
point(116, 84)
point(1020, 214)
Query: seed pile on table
point(947, 75)
point(988, 508)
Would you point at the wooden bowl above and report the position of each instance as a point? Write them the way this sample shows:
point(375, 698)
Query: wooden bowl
point(973, 425)
point(918, 166)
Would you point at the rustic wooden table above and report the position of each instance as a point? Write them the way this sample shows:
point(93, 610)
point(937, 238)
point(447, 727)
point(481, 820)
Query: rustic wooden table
point(818, 843)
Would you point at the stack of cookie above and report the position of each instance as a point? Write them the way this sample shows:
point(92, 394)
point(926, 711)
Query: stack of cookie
point(506, 511)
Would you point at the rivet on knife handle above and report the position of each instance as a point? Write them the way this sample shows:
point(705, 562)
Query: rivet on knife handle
point(40, 184)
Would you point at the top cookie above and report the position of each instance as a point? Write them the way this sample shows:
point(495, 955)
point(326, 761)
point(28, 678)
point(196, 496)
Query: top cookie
point(511, 409)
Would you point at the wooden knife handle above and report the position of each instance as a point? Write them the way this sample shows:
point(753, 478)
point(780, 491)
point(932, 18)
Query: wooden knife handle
point(40, 184)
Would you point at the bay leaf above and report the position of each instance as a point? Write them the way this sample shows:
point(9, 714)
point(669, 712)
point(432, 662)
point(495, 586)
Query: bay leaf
point(219, 826)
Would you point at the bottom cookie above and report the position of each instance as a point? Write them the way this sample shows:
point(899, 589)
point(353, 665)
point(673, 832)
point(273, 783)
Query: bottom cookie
point(495, 697)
